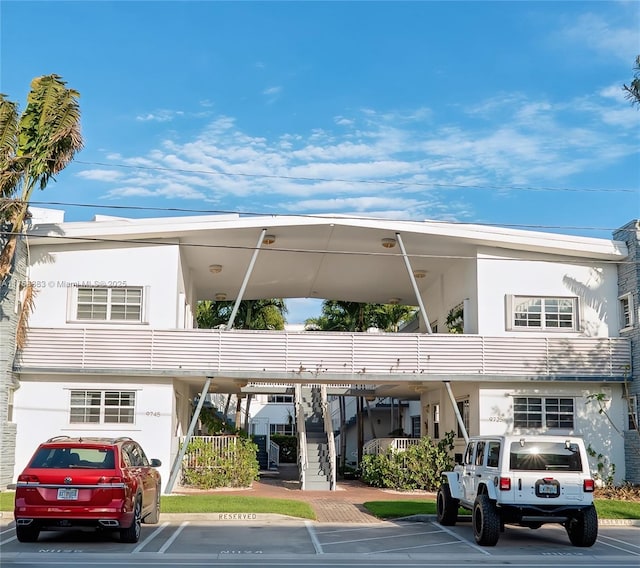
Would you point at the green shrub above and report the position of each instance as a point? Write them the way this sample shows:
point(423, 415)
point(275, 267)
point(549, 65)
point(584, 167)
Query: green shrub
point(418, 467)
point(235, 466)
point(288, 447)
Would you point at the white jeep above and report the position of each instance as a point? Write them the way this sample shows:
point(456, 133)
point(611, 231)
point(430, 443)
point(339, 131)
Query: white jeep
point(521, 480)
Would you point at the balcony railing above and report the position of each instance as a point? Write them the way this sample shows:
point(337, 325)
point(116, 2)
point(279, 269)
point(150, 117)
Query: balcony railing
point(381, 445)
point(320, 355)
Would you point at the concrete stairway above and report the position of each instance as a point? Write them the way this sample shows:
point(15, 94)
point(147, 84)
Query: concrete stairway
point(318, 473)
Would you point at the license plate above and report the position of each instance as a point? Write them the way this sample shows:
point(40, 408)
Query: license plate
point(548, 489)
point(67, 494)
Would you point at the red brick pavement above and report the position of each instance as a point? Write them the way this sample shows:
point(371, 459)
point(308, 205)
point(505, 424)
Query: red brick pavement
point(344, 505)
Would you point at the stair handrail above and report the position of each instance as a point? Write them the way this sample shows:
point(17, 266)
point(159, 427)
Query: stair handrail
point(273, 453)
point(328, 428)
point(302, 436)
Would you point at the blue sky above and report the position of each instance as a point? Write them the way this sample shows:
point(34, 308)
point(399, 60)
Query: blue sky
point(508, 113)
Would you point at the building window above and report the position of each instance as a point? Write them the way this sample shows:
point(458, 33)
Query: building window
point(109, 304)
point(102, 407)
point(537, 412)
point(463, 409)
point(280, 398)
point(283, 429)
point(436, 421)
point(415, 427)
point(625, 304)
point(544, 313)
point(632, 411)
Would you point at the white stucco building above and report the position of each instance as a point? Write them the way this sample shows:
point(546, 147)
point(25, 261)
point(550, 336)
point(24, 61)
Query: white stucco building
point(112, 348)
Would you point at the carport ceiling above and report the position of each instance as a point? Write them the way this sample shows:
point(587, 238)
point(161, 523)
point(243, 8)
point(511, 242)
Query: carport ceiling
point(328, 261)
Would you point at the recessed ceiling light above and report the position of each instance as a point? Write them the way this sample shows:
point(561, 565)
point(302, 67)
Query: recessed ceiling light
point(215, 268)
point(220, 297)
point(388, 243)
point(269, 239)
point(419, 273)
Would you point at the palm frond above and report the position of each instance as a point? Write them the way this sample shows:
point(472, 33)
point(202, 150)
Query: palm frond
point(26, 309)
point(8, 130)
point(49, 128)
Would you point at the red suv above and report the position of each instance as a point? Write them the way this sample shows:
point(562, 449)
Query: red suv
point(107, 483)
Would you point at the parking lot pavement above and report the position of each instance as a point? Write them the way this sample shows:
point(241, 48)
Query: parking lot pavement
point(193, 536)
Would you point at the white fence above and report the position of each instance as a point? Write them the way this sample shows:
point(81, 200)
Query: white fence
point(381, 445)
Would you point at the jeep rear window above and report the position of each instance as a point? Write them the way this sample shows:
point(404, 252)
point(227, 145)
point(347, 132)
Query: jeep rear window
point(544, 456)
point(76, 458)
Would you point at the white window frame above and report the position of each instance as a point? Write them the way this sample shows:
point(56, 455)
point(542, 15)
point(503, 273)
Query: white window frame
point(626, 313)
point(464, 407)
point(416, 426)
point(632, 411)
point(514, 300)
point(546, 407)
point(109, 304)
point(104, 411)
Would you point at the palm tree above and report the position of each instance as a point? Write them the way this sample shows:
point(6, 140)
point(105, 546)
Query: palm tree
point(252, 314)
point(34, 147)
point(355, 316)
point(633, 89)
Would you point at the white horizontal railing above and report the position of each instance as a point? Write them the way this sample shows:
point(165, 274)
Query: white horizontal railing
point(381, 445)
point(314, 354)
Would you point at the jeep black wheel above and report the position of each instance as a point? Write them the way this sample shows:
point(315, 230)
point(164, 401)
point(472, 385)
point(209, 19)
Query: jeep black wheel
point(27, 533)
point(583, 528)
point(132, 533)
point(446, 506)
point(486, 521)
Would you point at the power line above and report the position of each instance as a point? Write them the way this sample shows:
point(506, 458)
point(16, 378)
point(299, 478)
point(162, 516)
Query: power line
point(308, 216)
point(354, 181)
point(151, 242)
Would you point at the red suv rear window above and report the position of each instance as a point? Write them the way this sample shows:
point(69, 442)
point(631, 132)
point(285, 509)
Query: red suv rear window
point(62, 458)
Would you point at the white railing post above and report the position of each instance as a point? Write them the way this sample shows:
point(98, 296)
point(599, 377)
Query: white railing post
point(328, 428)
point(302, 436)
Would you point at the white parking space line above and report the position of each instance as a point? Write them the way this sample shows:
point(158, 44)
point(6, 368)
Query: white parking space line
point(454, 535)
point(173, 537)
point(9, 540)
point(400, 535)
point(618, 540)
point(314, 537)
point(618, 547)
point(150, 538)
point(413, 547)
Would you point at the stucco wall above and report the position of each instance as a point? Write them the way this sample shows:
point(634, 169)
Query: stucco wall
point(42, 411)
point(449, 290)
point(155, 268)
point(595, 287)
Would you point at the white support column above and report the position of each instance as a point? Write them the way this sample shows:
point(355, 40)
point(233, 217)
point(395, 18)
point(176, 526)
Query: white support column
point(414, 284)
point(175, 468)
point(247, 275)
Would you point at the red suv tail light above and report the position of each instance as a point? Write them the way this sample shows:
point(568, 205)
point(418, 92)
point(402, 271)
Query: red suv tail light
point(24, 478)
point(110, 479)
point(588, 485)
point(504, 484)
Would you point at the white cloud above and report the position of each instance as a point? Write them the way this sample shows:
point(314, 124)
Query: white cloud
point(612, 38)
point(100, 175)
point(163, 115)
point(387, 163)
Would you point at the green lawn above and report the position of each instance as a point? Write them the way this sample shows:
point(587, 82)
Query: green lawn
point(214, 503)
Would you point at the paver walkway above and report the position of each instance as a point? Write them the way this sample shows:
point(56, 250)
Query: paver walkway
point(344, 505)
